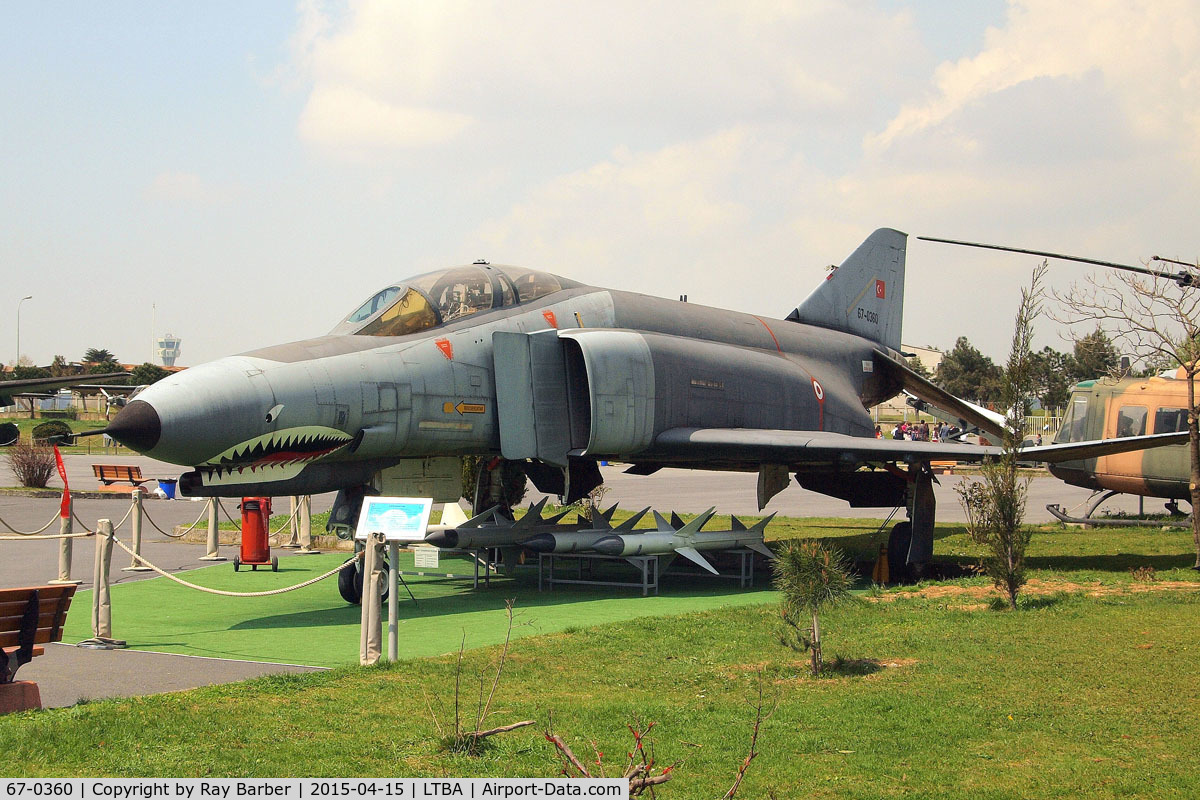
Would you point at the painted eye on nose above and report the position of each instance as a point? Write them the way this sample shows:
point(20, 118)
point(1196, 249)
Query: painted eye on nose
point(273, 414)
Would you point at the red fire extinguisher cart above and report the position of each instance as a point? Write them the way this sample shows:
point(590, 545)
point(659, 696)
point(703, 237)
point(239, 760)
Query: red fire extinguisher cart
point(256, 550)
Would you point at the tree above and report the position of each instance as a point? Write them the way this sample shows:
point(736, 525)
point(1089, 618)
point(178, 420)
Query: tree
point(995, 504)
point(1095, 356)
point(1157, 319)
point(810, 575)
point(1051, 384)
point(101, 361)
point(967, 373)
point(146, 373)
point(24, 373)
point(59, 368)
point(917, 366)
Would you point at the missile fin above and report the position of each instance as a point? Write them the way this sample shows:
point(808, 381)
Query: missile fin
point(480, 519)
point(694, 556)
point(662, 525)
point(676, 522)
point(759, 547)
point(762, 526)
point(554, 520)
point(695, 525)
point(736, 524)
point(628, 524)
point(533, 515)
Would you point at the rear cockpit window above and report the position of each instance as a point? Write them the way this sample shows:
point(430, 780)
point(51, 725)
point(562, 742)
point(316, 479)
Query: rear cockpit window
point(1074, 426)
point(532, 284)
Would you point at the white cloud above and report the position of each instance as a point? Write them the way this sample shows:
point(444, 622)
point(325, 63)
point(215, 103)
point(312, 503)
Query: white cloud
point(350, 119)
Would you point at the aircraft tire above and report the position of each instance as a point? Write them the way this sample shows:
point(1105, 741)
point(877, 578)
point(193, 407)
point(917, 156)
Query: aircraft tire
point(350, 584)
point(898, 544)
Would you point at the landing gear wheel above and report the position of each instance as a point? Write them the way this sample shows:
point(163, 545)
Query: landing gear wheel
point(350, 584)
point(274, 563)
point(237, 563)
point(897, 552)
point(347, 584)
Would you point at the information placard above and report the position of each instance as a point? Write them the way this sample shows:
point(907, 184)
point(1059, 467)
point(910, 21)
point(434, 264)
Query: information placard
point(399, 519)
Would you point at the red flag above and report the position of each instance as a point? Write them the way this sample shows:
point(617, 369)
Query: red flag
point(880, 289)
point(64, 508)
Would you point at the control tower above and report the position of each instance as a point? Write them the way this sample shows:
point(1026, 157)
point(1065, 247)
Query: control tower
point(167, 349)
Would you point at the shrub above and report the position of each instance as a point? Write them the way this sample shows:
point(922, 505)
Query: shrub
point(32, 463)
point(48, 430)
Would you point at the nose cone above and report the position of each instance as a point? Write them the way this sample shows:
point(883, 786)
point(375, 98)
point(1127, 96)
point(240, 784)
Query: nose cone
point(610, 546)
point(137, 426)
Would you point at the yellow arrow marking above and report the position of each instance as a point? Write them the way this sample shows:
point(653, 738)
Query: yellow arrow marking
point(464, 407)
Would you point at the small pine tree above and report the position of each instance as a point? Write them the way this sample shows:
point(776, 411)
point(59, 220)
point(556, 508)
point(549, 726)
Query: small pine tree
point(811, 576)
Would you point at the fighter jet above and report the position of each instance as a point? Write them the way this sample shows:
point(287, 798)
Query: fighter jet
point(547, 375)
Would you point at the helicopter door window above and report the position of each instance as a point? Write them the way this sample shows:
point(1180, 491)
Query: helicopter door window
point(1131, 421)
point(1170, 420)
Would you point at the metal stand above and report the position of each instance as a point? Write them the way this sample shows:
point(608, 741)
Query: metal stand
point(647, 566)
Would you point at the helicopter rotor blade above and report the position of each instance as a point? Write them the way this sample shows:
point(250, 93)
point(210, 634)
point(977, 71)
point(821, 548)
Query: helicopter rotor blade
point(1182, 278)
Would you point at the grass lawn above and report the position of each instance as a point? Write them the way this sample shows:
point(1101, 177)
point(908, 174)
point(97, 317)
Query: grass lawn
point(1089, 690)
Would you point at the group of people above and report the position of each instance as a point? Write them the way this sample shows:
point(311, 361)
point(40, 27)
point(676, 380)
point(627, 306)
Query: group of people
point(920, 432)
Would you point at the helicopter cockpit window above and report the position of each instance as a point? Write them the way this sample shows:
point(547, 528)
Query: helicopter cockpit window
point(1131, 421)
point(531, 284)
point(1074, 426)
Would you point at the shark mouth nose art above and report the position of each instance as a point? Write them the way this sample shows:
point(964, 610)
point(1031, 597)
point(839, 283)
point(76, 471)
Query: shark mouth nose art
point(274, 456)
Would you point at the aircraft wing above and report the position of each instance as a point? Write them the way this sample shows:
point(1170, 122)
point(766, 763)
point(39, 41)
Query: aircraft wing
point(10, 388)
point(794, 447)
point(925, 390)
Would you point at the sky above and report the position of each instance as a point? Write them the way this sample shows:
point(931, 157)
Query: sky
point(244, 174)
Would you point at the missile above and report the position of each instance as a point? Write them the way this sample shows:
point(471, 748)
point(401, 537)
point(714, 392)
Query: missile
point(688, 541)
point(582, 540)
point(493, 529)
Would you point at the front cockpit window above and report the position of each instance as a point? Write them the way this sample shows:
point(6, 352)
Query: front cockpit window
point(410, 314)
point(372, 306)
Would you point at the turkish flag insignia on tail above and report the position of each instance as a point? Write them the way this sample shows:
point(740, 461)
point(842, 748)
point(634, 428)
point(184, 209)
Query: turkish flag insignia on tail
point(880, 290)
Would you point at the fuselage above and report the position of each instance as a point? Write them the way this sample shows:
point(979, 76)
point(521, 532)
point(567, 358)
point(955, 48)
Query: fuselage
point(1105, 409)
point(328, 412)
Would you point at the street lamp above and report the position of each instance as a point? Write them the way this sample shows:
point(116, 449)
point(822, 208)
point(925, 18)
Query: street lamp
point(17, 363)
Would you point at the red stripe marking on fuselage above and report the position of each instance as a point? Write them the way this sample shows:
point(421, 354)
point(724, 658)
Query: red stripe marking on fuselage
point(773, 339)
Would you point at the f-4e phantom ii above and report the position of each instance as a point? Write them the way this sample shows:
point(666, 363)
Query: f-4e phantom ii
point(548, 376)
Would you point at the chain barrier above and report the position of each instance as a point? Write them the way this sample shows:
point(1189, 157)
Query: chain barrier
point(30, 533)
point(225, 593)
point(237, 526)
point(117, 525)
point(287, 521)
point(189, 528)
point(154, 525)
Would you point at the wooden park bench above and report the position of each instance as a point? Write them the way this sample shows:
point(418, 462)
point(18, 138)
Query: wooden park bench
point(29, 617)
point(108, 474)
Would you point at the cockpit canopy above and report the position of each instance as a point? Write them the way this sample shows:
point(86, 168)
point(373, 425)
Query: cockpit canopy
point(437, 298)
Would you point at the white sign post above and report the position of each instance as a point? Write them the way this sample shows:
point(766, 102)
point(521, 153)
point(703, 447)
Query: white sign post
point(399, 519)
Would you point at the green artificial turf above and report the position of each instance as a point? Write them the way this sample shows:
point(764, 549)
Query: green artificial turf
point(315, 627)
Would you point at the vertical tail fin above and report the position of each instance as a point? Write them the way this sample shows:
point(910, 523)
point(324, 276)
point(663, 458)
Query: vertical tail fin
point(865, 295)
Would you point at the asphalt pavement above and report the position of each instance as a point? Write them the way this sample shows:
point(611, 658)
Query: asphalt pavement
point(66, 673)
